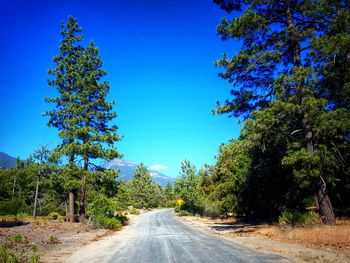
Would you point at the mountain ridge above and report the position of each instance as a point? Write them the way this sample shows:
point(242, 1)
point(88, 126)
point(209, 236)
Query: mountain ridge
point(7, 161)
point(127, 169)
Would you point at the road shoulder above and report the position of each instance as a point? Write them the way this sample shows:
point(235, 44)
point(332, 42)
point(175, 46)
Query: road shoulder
point(293, 252)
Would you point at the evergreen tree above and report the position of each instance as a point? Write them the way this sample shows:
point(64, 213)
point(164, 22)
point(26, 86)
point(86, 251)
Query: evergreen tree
point(187, 187)
point(223, 183)
point(142, 187)
point(64, 117)
point(41, 167)
point(94, 135)
point(169, 195)
point(82, 113)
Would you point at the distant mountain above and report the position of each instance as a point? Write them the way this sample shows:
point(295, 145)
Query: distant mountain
point(127, 169)
point(7, 161)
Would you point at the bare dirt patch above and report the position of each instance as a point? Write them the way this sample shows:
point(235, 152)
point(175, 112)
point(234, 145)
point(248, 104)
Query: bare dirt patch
point(53, 239)
point(300, 244)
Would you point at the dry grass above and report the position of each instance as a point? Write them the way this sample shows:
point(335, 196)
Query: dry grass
point(52, 237)
point(317, 234)
point(320, 235)
point(334, 239)
point(331, 238)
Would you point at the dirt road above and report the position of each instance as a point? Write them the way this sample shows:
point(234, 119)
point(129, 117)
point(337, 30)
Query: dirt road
point(158, 236)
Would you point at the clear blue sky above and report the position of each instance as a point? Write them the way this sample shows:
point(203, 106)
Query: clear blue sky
point(159, 56)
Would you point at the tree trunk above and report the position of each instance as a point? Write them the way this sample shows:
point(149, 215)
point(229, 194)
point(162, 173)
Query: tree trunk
point(83, 191)
point(36, 197)
point(71, 206)
point(71, 195)
point(66, 210)
point(324, 203)
point(14, 186)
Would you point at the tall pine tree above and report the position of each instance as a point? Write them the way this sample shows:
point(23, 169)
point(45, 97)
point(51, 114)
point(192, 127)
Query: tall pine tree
point(95, 136)
point(64, 117)
point(82, 113)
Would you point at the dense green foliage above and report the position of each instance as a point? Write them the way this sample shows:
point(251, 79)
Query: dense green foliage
point(108, 201)
point(144, 192)
point(186, 187)
point(290, 84)
point(297, 218)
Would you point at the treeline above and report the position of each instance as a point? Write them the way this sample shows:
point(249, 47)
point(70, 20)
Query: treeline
point(291, 86)
point(37, 188)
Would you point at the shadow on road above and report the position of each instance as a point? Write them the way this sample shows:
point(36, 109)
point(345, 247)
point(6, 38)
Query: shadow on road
point(239, 226)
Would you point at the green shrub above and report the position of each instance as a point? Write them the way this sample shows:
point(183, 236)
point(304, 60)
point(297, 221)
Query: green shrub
point(22, 215)
point(134, 211)
point(121, 216)
point(49, 204)
point(12, 207)
point(17, 238)
point(35, 258)
point(8, 257)
point(53, 239)
point(34, 247)
point(297, 218)
point(111, 223)
point(170, 203)
point(212, 209)
point(54, 216)
point(184, 213)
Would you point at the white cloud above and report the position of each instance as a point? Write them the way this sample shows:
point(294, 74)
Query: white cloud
point(158, 167)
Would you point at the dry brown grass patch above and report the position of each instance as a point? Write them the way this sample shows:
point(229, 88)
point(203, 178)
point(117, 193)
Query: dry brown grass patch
point(332, 238)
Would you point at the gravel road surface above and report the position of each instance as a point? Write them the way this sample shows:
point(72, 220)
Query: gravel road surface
point(158, 236)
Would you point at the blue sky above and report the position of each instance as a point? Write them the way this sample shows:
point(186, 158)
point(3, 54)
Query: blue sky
point(159, 56)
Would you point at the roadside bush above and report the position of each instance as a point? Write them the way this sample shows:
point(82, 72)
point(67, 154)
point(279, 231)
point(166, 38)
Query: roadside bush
point(170, 203)
point(184, 213)
point(134, 211)
point(297, 218)
point(121, 216)
point(212, 209)
point(22, 215)
point(106, 213)
point(54, 216)
point(111, 223)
